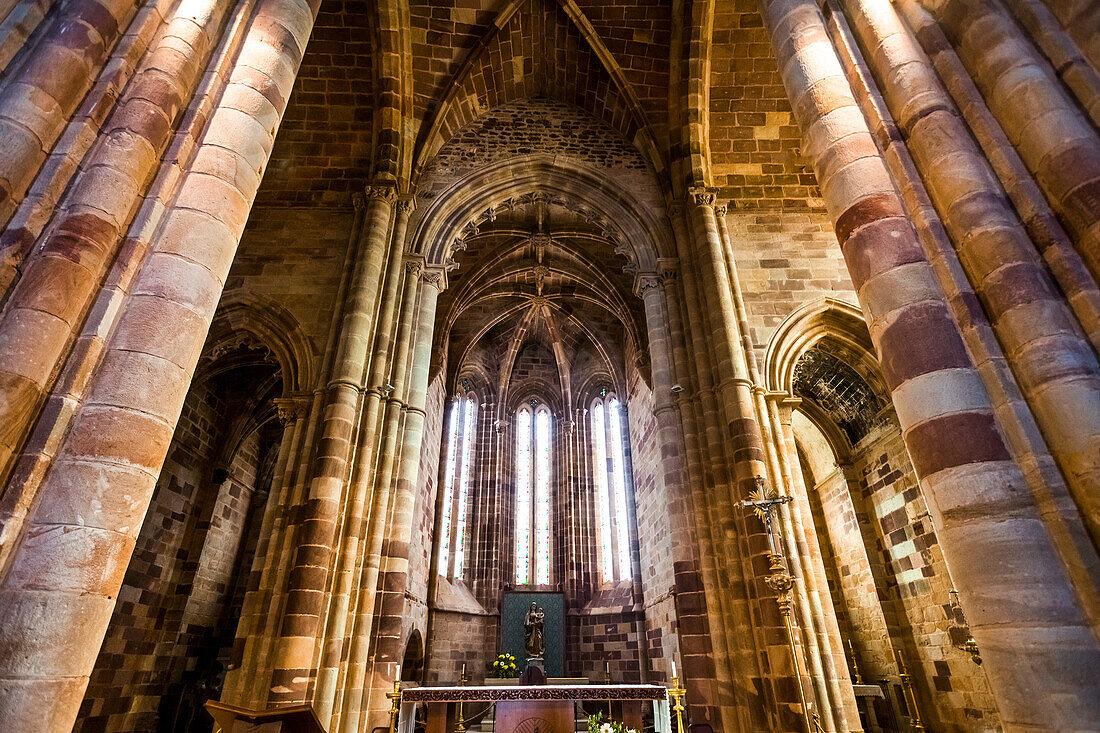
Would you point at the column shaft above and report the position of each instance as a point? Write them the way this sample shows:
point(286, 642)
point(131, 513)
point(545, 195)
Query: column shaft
point(62, 277)
point(1054, 365)
point(67, 570)
point(979, 499)
point(40, 97)
point(1059, 146)
point(297, 653)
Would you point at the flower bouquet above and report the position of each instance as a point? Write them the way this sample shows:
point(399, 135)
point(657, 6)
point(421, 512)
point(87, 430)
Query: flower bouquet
point(504, 666)
point(596, 724)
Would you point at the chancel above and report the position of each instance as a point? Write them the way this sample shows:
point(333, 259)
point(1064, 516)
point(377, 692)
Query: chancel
point(549, 366)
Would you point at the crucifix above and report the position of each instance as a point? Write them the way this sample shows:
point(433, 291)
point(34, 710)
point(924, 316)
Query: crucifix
point(781, 582)
point(763, 506)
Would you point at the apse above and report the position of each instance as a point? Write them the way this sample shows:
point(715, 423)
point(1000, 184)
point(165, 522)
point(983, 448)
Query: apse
point(539, 401)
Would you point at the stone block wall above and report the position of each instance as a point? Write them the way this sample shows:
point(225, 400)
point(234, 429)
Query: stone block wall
point(456, 638)
point(890, 585)
point(919, 584)
point(606, 636)
point(785, 259)
point(179, 603)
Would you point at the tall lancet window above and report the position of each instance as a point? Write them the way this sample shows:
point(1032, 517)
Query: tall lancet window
point(533, 496)
point(456, 486)
point(609, 461)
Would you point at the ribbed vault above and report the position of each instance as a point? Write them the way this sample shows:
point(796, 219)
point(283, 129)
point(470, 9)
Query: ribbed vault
point(539, 294)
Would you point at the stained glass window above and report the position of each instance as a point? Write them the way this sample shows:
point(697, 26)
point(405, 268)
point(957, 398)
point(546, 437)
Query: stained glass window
point(533, 496)
point(460, 453)
point(609, 469)
point(523, 496)
point(542, 497)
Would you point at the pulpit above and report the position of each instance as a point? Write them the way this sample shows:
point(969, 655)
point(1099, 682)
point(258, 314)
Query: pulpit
point(533, 709)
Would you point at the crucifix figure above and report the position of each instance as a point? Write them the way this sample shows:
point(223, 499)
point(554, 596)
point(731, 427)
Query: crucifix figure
point(763, 506)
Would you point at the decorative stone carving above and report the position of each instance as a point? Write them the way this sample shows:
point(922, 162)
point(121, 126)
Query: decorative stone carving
point(702, 196)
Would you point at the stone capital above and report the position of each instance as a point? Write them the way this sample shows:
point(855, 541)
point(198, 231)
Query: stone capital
point(414, 264)
point(645, 282)
point(435, 276)
point(289, 409)
point(384, 191)
point(702, 196)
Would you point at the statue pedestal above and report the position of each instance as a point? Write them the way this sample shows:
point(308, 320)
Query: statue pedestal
point(232, 719)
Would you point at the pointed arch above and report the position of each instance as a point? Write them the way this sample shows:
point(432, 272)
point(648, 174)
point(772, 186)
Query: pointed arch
point(838, 321)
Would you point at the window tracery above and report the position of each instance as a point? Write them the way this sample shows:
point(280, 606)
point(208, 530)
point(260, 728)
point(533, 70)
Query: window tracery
point(609, 460)
point(533, 438)
point(456, 485)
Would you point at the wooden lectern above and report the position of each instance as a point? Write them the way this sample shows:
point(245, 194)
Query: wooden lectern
point(232, 719)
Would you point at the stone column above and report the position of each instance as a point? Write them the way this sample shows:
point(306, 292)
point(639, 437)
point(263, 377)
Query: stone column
point(978, 497)
point(1081, 19)
point(61, 279)
point(1054, 139)
point(364, 642)
point(1063, 53)
point(252, 630)
point(306, 604)
point(836, 703)
point(1054, 364)
point(38, 100)
point(20, 19)
point(799, 523)
point(393, 575)
point(1031, 206)
point(67, 570)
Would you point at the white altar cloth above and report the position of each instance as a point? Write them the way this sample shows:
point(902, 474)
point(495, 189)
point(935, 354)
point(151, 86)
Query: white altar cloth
point(486, 693)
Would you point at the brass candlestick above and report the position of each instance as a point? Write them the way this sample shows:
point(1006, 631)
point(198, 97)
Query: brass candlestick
point(910, 695)
point(395, 702)
point(460, 724)
point(678, 693)
point(857, 678)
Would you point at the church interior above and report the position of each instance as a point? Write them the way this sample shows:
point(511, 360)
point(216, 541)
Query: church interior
point(484, 365)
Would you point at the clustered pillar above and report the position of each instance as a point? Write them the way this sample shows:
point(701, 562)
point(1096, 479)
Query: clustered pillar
point(66, 570)
point(979, 498)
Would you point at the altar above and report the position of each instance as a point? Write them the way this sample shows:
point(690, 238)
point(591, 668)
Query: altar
point(529, 708)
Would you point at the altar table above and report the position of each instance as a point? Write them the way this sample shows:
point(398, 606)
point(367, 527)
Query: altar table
point(551, 695)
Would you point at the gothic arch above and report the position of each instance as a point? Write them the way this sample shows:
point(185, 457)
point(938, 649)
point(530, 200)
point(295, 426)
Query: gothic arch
point(249, 318)
point(440, 226)
point(828, 318)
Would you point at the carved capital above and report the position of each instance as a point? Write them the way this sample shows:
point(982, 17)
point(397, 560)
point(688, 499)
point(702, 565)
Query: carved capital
point(669, 270)
point(414, 264)
point(436, 277)
point(721, 208)
point(358, 201)
point(701, 196)
point(646, 282)
point(407, 205)
point(385, 191)
point(289, 409)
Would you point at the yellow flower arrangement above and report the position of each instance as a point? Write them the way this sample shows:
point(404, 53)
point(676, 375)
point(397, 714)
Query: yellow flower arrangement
point(505, 666)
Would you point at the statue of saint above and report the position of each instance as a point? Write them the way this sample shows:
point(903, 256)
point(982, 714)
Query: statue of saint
point(533, 643)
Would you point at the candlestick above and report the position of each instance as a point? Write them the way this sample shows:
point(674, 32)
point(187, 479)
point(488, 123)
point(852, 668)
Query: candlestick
point(395, 700)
